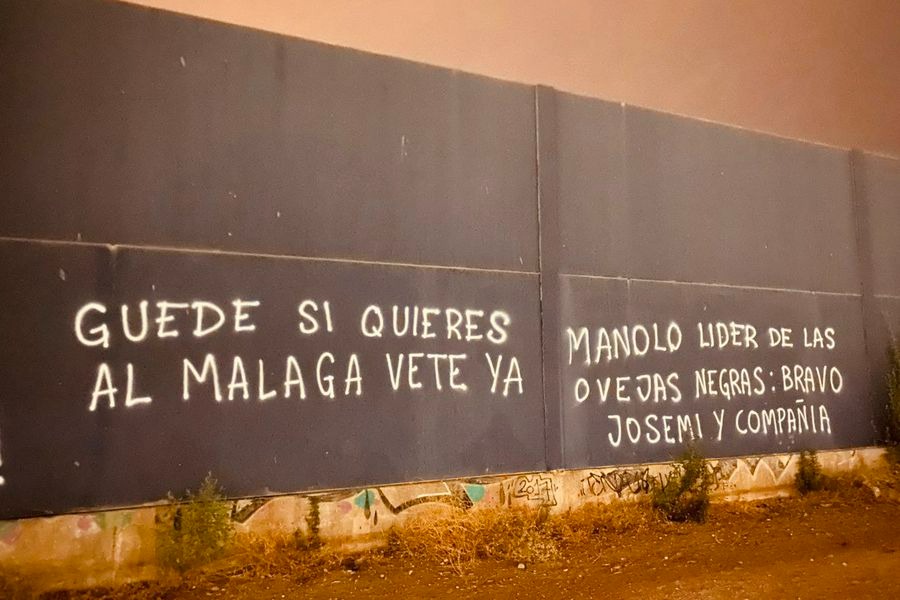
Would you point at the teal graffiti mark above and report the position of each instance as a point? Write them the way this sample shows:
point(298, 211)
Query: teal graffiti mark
point(365, 499)
point(475, 491)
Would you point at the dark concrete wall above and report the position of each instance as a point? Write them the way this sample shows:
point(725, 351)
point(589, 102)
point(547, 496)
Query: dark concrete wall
point(193, 169)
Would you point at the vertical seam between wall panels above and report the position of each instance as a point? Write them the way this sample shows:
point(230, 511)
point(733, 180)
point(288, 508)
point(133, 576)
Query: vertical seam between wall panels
point(540, 235)
point(626, 182)
point(863, 258)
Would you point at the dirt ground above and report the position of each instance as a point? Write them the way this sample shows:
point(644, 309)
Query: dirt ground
point(822, 546)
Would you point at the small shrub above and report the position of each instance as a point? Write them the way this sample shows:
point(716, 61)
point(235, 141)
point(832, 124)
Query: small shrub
point(684, 495)
point(809, 477)
point(194, 530)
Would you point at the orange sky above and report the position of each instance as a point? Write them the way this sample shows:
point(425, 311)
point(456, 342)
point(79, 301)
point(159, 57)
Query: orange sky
point(823, 70)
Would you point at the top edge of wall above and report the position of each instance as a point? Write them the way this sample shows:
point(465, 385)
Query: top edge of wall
point(514, 82)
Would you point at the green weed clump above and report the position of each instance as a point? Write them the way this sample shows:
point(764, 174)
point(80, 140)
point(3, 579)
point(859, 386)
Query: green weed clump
point(809, 477)
point(194, 530)
point(893, 390)
point(684, 495)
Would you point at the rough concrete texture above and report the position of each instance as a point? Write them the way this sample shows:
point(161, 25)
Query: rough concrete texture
point(117, 546)
point(80, 550)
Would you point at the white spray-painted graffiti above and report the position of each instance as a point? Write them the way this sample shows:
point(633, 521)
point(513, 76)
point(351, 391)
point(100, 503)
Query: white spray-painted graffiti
point(607, 367)
point(333, 375)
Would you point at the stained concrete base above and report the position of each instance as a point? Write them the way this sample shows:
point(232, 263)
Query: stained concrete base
point(118, 546)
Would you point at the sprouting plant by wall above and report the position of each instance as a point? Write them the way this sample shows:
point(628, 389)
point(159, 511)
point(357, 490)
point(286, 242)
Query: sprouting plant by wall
point(193, 530)
point(311, 539)
point(809, 477)
point(684, 494)
point(893, 390)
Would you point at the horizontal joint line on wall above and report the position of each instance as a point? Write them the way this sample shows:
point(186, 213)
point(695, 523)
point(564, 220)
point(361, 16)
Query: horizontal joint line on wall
point(188, 250)
point(713, 285)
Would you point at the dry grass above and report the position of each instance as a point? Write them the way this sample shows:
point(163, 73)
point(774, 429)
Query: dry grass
point(274, 555)
point(456, 538)
point(523, 535)
point(148, 590)
point(14, 587)
point(296, 555)
point(599, 520)
point(881, 482)
point(460, 538)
